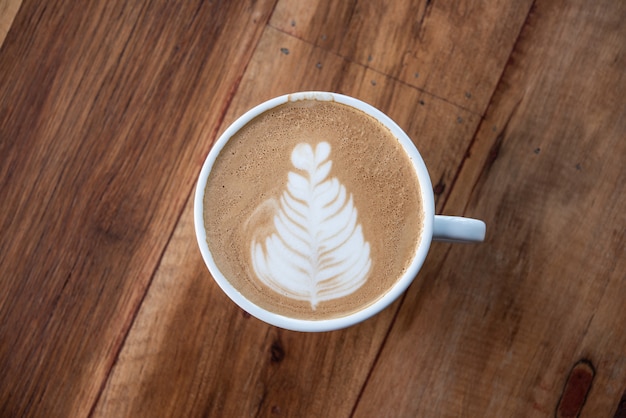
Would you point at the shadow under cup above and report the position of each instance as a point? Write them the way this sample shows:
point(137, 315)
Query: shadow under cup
point(304, 157)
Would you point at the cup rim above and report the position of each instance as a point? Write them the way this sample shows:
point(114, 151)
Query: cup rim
point(329, 324)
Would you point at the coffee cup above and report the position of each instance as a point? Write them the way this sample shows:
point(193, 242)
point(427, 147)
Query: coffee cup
point(314, 211)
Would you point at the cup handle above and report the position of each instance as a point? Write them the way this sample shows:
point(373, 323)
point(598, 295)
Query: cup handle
point(458, 229)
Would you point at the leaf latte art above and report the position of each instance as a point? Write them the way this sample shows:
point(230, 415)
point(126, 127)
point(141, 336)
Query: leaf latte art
point(315, 249)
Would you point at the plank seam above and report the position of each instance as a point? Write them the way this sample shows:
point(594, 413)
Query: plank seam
point(388, 76)
point(377, 357)
point(479, 126)
point(384, 342)
point(228, 101)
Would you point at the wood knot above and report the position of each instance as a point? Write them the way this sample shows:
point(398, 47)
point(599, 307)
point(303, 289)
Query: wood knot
point(440, 187)
point(277, 352)
point(576, 390)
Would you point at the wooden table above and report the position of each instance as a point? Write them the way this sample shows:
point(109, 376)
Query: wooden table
point(109, 107)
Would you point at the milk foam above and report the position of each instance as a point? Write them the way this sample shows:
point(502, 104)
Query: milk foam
point(250, 196)
point(316, 250)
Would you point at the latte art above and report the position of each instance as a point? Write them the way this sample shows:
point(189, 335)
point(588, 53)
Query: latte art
point(317, 251)
point(312, 210)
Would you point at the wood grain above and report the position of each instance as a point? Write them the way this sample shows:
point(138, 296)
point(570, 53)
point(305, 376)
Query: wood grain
point(192, 352)
point(286, 372)
point(494, 330)
point(453, 50)
point(441, 131)
point(108, 110)
point(106, 113)
point(8, 10)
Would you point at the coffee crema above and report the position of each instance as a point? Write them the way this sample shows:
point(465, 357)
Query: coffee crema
point(312, 210)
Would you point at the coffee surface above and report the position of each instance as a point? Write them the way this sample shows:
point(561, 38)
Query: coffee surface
point(312, 210)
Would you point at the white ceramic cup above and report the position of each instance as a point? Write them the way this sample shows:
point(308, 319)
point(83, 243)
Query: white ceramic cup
point(436, 227)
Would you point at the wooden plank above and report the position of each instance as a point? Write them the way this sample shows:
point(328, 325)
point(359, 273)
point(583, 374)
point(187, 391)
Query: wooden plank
point(193, 352)
point(8, 10)
point(440, 130)
point(455, 51)
point(494, 330)
point(106, 112)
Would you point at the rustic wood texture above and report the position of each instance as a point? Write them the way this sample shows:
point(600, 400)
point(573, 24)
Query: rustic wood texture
point(8, 10)
point(281, 365)
point(107, 112)
point(453, 50)
point(494, 330)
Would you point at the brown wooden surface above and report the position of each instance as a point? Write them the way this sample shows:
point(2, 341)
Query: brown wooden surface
point(8, 10)
point(108, 110)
